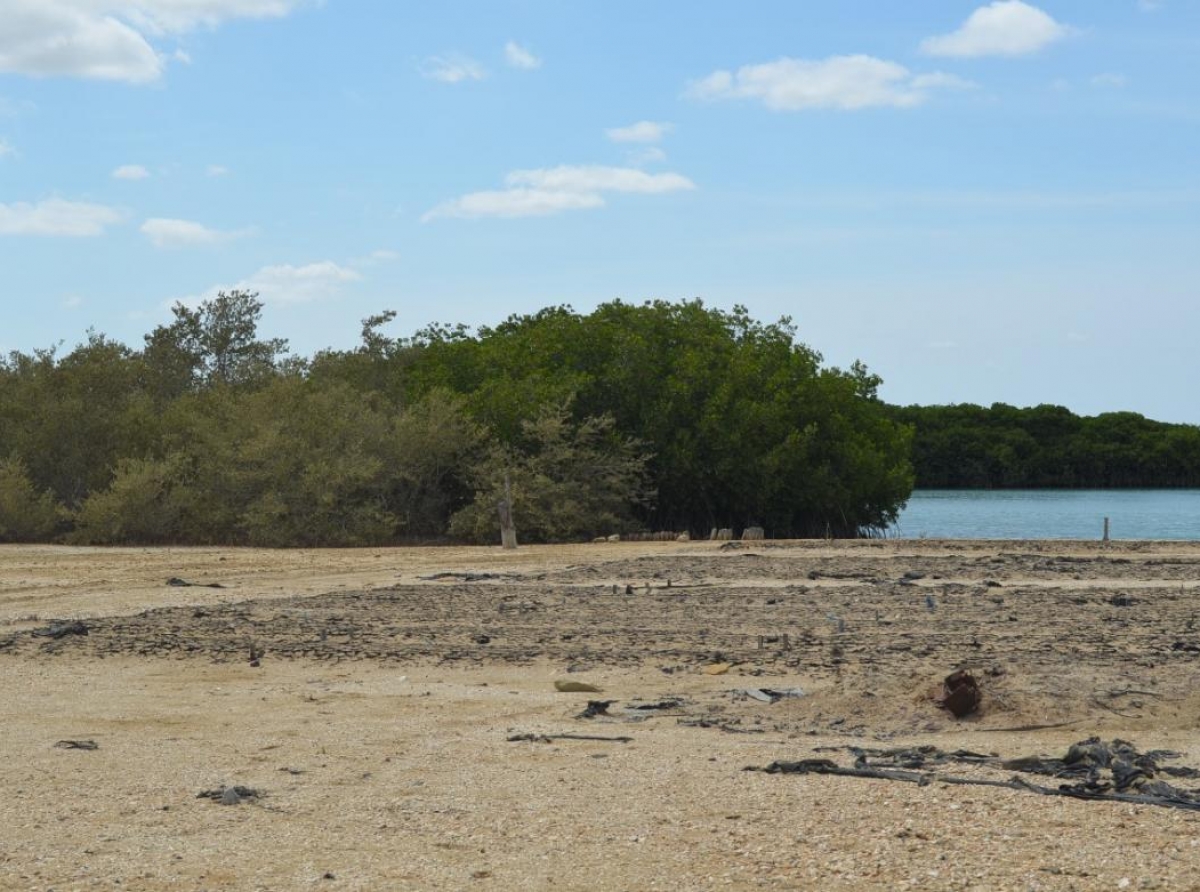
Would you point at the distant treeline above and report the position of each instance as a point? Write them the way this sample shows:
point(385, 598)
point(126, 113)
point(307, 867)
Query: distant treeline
point(661, 416)
point(1047, 446)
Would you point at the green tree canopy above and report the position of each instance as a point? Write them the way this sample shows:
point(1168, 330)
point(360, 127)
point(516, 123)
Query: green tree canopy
point(742, 424)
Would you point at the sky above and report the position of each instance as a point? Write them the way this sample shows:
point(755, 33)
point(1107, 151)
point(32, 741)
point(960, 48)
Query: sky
point(984, 202)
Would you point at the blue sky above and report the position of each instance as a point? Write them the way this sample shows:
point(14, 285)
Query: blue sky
point(983, 201)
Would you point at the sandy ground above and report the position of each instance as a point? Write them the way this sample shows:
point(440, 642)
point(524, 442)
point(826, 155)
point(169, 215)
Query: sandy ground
point(377, 726)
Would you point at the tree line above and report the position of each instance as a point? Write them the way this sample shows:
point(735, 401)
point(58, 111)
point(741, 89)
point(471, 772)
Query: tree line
point(966, 446)
point(658, 416)
point(632, 417)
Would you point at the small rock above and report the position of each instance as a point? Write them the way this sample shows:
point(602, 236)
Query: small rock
point(575, 687)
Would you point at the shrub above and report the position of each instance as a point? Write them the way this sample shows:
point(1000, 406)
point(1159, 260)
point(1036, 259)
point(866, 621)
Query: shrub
point(146, 503)
point(570, 482)
point(25, 514)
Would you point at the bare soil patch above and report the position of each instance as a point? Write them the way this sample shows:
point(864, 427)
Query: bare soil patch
point(375, 729)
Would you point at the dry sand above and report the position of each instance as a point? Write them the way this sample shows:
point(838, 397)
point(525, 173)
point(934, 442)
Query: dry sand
point(377, 725)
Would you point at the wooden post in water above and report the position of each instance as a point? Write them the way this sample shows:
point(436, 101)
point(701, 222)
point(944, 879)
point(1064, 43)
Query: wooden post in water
point(508, 530)
point(1106, 529)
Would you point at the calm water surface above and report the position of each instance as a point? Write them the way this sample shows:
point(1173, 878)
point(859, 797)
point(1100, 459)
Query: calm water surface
point(1051, 514)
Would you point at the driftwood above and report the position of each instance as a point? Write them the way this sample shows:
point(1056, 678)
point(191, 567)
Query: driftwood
point(467, 576)
point(508, 529)
point(1130, 777)
point(1029, 727)
point(546, 738)
point(176, 582)
point(1073, 791)
point(61, 630)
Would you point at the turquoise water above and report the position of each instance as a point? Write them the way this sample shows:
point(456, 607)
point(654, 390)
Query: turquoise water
point(1051, 514)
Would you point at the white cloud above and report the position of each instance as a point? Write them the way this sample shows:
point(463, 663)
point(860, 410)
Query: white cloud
point(647, 155)
point(179, 16)
point(1002, 28)
point(216, 170)
point(72, 302)
point(544, 191)
point(513, 203)
point(47, 38)
point(168, 233)
point(452, 69)
point(374, 258)
point(1150, 5)
point(6, 149)
point(182, 56)
point(130, 172)
point(845, 82)
point(108, 39)
point(642, 131)
point(57, 217)
point(518, 56)
point(597, 178)
point(1109, 79)
point(284, 284)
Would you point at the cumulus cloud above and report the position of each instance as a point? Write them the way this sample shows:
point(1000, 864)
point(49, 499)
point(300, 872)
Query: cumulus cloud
point(108, 39)
point(642, 131)
point(285, 284)
point(453, 68)
point(518, 56)
point(1002, 28)
point(544, 191)
point(844, 82)
point(165, 232)
point(47, 38)
point(130, 172)
point(57, 217)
